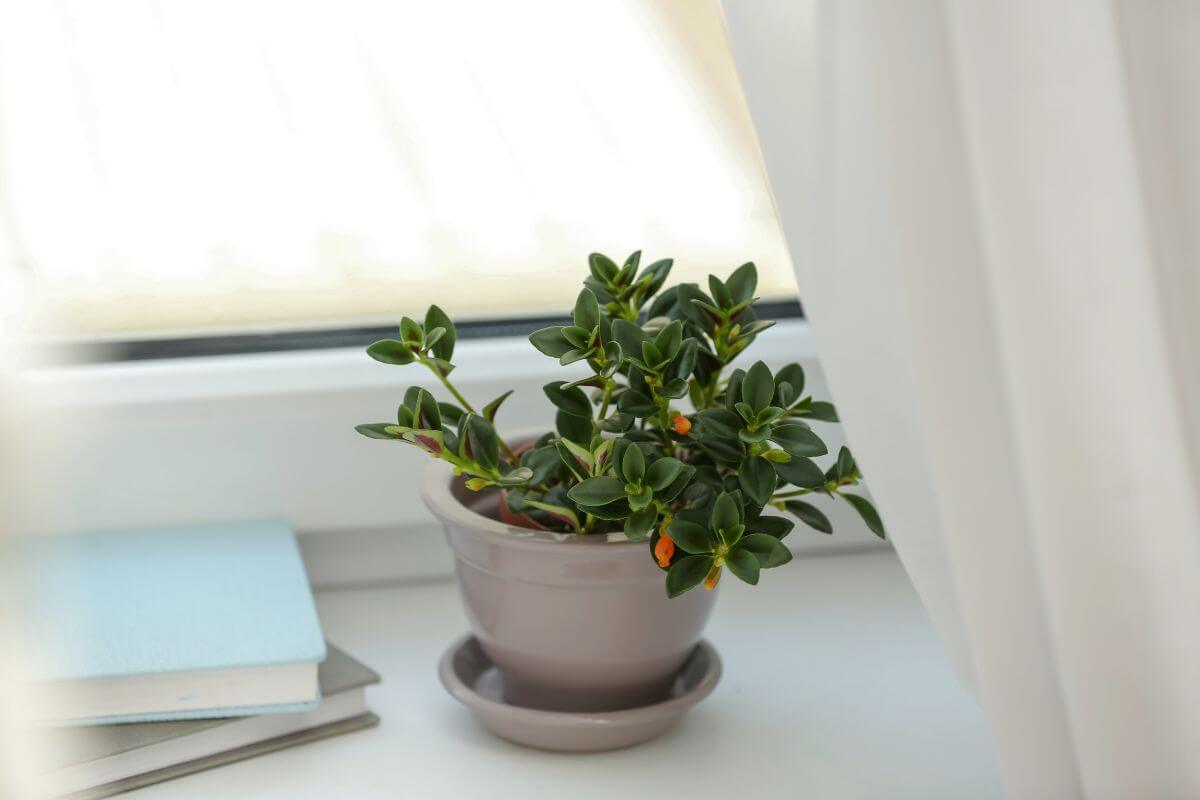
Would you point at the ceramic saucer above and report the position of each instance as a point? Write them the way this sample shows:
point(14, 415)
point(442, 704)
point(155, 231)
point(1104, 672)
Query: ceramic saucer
point(469, 675)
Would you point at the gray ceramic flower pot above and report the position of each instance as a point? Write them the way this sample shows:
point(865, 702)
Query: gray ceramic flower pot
point(573, 623)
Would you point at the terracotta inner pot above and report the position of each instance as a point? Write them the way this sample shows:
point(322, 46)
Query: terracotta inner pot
point(508, 517)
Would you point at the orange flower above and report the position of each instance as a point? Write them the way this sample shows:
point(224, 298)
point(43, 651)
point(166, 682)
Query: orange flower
point(682, 424)
point(664, 549)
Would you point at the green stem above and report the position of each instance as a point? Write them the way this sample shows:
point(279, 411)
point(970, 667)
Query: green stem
point(794, 493)
point(462, 401)
point(608, 390)
point(664, 421)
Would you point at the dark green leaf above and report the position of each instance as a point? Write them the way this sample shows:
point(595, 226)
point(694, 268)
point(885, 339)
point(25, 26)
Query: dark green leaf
point(573, 400)
point(444, 347)
point(569, 426)
point(633, 464)
point(822, 411)
point(757, 479)
point(744, 564)
point(651, 357)
point(410, 331)
point(573, 355)
point(793, 375)
point(616, 511)
point(602, 267)
point(678, 485)
point(798, 440)
point(489, 411)
point(687, 573)
point(641, 499)
point(675, 389)
point(669, 340)
point(758, 386)
point(689, 536)
point(769, 551)
point(629, 268)
point(543, 461)
point(629, 336)
point(662, 472)
point(433, 336)
point(801, 472)
point(720, 292)
point(754, 437)
point(451, 414)
point(636, 404)
point(390, 351)
point(733, 390)
point(587, 310)
point(777, 527)
point(723, 451)
point(442, 368)
point(580, 338)
point(550, 341)
point(376, 430)
point(684, 363)
point(518, 476)
point(572, 461)
point(616, 423)
point(868, 513)
point(658, 272)
point(755, 328)
point(427, 415)
point(742, 282)
point(689, 295)
point(810, 515)
point(597, 491)
point(484, 445)
point(560, 513)
point(845, 463)
point(768, 414)
point(640, 523)
point(720, 421)
point(726, 512)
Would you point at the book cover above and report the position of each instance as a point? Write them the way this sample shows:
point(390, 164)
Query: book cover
point(76, 756)
point(158, 602)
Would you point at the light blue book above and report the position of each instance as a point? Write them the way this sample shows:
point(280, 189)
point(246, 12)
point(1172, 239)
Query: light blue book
point(180, 623)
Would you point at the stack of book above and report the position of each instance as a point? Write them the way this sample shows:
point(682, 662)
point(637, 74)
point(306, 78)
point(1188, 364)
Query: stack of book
point(165, 652)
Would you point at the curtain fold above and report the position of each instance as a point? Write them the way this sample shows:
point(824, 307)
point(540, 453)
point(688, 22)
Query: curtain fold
point(993, 213)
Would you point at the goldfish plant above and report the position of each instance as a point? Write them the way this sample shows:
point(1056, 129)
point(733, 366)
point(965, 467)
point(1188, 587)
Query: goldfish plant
point(661, 440)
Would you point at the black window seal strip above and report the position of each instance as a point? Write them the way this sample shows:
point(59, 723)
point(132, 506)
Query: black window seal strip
point(126, 350)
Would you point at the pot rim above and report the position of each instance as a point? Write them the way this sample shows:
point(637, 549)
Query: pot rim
point(435, 492)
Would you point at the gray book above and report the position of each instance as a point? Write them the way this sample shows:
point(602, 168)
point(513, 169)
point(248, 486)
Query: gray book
point(103, 760)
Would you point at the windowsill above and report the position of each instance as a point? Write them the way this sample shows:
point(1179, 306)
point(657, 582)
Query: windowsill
point(835, 685)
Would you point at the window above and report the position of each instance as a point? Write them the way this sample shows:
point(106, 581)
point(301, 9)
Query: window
point(181, 168)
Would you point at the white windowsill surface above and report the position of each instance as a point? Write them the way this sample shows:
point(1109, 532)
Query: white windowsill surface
point(835, 686)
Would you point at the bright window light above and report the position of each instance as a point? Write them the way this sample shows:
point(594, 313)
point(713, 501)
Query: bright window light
point(182, 167)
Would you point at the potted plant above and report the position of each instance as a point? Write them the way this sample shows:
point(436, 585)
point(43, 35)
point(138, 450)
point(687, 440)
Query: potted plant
point(579, 549)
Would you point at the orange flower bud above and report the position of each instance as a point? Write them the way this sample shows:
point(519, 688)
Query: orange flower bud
point(682, 424)
point(664, 549)
point(710, 582)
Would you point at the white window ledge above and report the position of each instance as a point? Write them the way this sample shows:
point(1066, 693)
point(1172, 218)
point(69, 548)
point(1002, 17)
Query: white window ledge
point(835, 686)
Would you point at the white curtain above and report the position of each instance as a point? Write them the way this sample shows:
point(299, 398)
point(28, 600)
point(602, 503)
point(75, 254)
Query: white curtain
point(994, 209)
